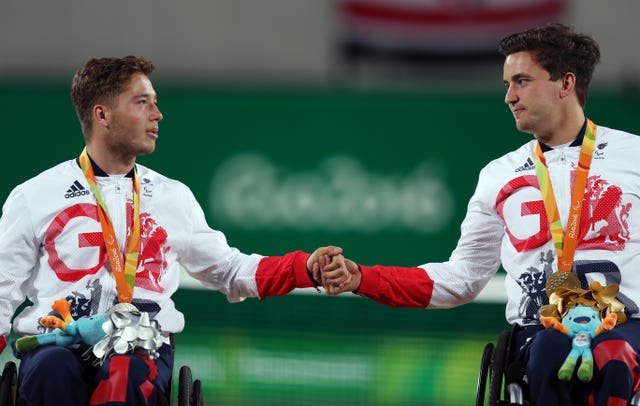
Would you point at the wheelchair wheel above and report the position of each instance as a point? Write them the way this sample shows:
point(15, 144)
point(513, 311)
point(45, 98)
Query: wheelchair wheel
point(196, 395)
point(498, 367)
point(487, 354)
point(8, 384)
point(185, 385)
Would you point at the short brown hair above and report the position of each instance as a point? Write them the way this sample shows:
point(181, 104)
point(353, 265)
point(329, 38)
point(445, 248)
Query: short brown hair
point(100, 80)
point(559, 50)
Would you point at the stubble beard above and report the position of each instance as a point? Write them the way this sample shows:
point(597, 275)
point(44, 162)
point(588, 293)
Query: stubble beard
point(125, 144)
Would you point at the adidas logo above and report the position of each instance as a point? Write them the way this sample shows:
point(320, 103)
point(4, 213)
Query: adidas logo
point(76, 190)
point(528, 166)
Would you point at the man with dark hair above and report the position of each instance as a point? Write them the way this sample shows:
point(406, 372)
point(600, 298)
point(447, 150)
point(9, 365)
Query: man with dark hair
point(560, 211)
point(558, 50)
point(99, 230)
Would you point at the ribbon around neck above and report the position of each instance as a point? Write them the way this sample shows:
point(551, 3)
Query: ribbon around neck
point(565, 245)
point(124, 274)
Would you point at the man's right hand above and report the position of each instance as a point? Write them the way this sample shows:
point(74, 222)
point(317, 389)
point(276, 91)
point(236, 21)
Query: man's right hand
point(335, 283)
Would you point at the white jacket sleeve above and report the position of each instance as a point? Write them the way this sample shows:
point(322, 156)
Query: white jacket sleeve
point(211, 260)
point(18, 256)
point(477, 255)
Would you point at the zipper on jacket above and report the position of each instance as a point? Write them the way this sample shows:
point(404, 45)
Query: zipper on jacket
point(116, 201)
point(565, 178)
point(120, 222)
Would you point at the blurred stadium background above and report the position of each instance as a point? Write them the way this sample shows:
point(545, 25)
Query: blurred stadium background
point(300, 123)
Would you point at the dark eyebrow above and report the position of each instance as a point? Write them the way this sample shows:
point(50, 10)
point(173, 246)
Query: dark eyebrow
point(519, 76)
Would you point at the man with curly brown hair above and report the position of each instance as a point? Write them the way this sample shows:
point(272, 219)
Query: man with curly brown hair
point(101, 229)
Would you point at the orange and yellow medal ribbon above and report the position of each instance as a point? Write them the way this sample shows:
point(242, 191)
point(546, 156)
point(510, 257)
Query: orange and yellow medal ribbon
point(565, 243)
point(124, 274)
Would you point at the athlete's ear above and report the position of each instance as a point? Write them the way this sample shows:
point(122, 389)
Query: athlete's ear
point(100, 115)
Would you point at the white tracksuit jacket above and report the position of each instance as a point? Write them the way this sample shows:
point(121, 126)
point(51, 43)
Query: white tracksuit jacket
point(51, 247)
point(506, 225)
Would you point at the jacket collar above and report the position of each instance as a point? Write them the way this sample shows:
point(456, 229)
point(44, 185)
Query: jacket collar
point(576, 142)
point(97, 171)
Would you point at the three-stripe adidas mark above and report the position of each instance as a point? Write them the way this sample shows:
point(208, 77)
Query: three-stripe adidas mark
point(76, 189)
point(529, 165)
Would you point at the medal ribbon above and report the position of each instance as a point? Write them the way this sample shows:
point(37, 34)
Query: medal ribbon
point(566, 246)
point(124, 275)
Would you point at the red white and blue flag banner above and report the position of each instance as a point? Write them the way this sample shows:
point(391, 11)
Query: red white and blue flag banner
point(441, 27)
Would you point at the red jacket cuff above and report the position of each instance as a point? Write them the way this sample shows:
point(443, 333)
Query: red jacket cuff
point(279, 275)
point(396, 286)
point(369, 282)
point(301, 275)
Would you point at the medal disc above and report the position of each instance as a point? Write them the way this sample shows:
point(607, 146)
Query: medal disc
point(561, 279)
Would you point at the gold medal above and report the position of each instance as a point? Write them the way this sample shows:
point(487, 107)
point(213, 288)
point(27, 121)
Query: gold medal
point(561, 279)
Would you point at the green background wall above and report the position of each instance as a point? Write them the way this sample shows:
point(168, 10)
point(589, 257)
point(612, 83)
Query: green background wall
point(309, 349)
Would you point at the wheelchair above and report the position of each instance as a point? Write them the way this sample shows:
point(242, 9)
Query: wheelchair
point(505, 381)
point(501, 380)
point(189, 391)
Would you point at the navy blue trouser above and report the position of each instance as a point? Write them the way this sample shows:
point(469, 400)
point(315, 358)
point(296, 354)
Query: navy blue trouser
point(616, 371)
point(54, 375)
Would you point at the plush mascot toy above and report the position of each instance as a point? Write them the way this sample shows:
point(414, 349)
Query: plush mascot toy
point(122, 329)
point(67, 330)
point(582, 315)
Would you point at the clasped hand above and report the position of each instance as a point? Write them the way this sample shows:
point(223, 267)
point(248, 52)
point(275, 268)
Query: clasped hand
point(333, 271)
